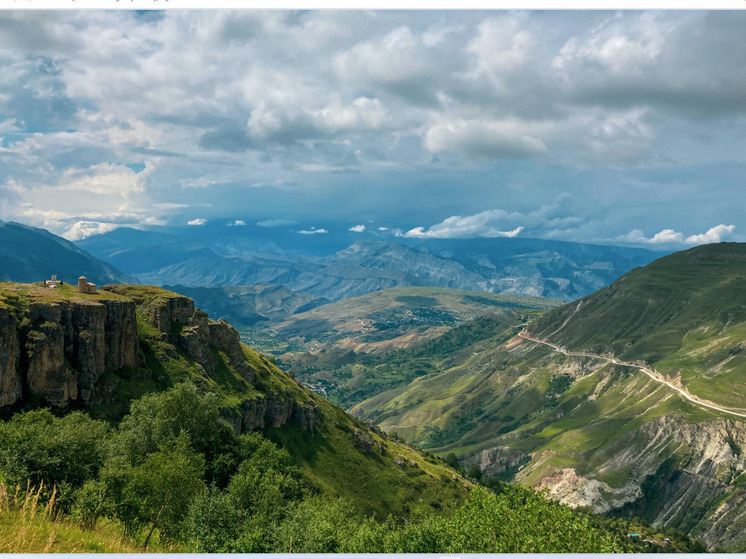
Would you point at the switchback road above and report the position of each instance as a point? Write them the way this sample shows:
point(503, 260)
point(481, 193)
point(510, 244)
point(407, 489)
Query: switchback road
point(647, 370)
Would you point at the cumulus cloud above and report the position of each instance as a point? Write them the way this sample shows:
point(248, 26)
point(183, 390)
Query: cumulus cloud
point(198, 221)
point(714, 235)
point(237, 223)
point(362, 113)
point(483, 224)
point(313, 231)
point(669, 236)
point(106, 112)
point(84, 229)
point(357, 228)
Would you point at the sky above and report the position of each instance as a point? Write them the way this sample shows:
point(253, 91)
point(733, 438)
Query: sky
point(624, 128)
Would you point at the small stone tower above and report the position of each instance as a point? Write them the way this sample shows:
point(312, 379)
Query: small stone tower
point(84, 286)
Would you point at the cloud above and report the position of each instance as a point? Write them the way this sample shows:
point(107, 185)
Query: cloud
point(198, 182)
point(483, 224)
point(84, 229)
point(714, 235)
point(483, 139)
point(276, 222)
point(362, 114)
point(357, 228)
point(198, 221)
point(669, 236)
point(109, 111)
point(237, 223)
point(313, 231)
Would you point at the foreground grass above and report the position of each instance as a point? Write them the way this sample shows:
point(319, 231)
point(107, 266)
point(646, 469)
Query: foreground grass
point(29, 523)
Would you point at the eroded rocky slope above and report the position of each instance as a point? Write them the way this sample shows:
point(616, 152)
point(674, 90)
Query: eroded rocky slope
point(65, 349)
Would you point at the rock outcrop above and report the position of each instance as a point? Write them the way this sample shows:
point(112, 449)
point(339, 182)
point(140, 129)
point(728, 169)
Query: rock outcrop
point(225, 337)
point(56, 349)
point(59, 349)
point(10, 356)
point(685, 478)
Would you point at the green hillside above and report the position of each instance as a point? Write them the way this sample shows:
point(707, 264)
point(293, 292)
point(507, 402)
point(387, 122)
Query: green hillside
point(395, 318)
point(360, 347)
point(203, 444)
point(685, 314)
point(595, 433)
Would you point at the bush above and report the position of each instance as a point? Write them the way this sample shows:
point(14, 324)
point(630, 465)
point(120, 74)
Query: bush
point(213, 522)
point(66, 452)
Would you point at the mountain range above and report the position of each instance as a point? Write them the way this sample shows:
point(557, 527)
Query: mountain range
point(29, 254)
point(233, 256)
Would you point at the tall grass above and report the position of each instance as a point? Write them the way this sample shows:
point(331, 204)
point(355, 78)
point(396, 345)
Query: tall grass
point(30, 523)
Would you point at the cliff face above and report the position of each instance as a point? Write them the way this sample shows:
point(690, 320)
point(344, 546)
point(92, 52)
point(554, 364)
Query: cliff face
point(10, 355)
point(215, 344)
point(687, 477)
point(61, 348)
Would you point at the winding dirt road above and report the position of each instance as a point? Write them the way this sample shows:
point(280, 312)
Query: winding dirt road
point(647, 370)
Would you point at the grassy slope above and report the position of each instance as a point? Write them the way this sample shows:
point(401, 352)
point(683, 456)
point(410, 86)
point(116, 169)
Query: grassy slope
point(685, 314)
point(386, 339)
point(328, 457)
point(689, 306)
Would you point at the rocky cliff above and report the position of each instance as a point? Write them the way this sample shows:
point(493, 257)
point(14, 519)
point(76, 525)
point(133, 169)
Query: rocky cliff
point(63, 348)
point(55, 348)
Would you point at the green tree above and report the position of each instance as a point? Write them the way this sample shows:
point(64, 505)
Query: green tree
point(91, 502)
point(266, 482)
point(158, 491)
point(315, 525)
point(156, 420)
point(474, 472)
point(213, 522)
point(65, 452)
point(453, 462)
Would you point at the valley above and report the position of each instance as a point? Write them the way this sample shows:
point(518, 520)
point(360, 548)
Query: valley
point(169, 431)
point(627, 402)
point(406, 281)
point(633, 405)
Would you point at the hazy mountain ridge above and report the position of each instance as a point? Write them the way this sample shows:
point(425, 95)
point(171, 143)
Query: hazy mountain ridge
point(536, 267)
point(30, 254)
point(247, 305)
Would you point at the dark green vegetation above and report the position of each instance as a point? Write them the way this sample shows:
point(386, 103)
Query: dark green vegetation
point(174, 473)
point(29, 254)
point(360, 347)
point(190, 449)
point(600, 435)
